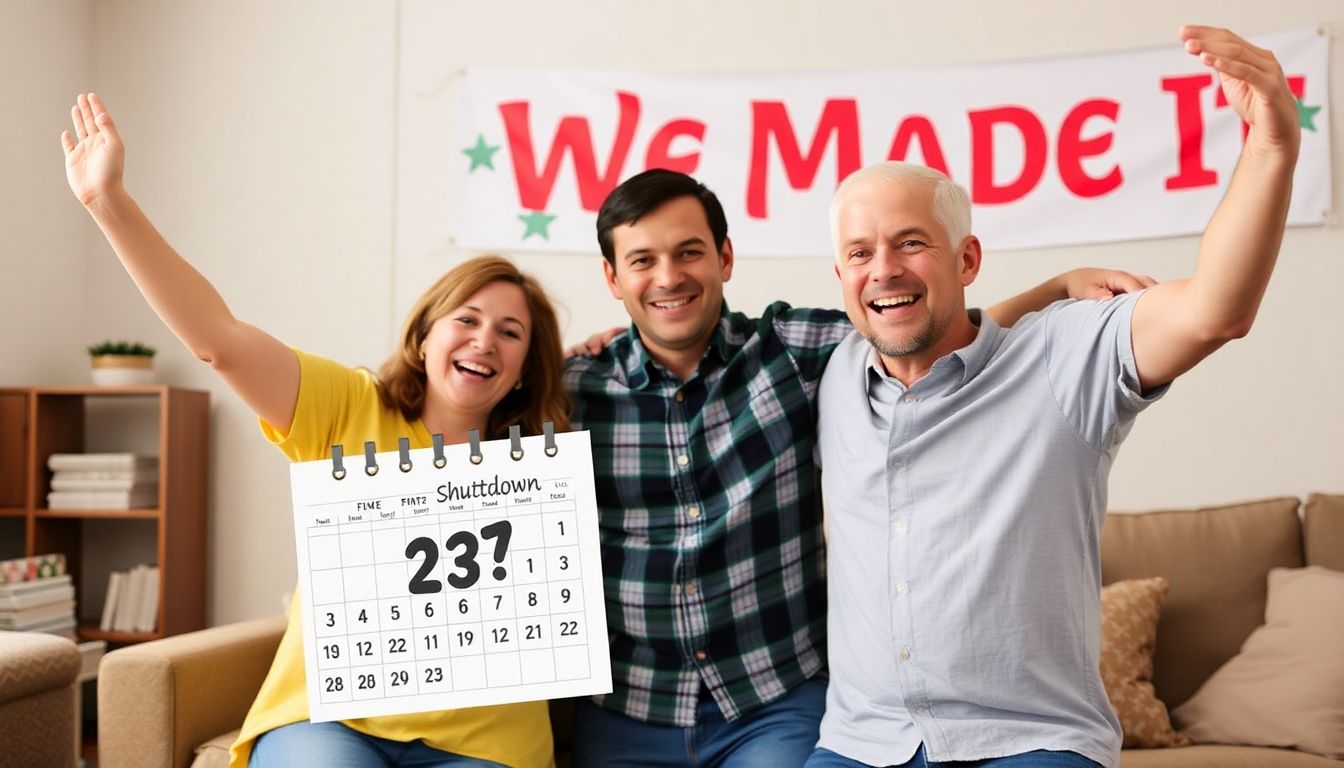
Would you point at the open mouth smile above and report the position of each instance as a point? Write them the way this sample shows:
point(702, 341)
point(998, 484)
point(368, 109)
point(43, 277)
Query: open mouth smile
point(671, 304)
point(892, 305)
point(474, 370)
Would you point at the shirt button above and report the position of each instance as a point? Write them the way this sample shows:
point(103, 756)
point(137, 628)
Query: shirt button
point(920, 710)
point(897, 464)
point(910, 398)
point(680, 396)
point(693, 512)
point(689, 589)
point(900, 527)
point(701, 655)
point(902, 588)
point(905, 654)
point(683, 460)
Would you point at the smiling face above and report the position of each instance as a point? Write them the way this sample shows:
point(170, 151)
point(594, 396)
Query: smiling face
point(670, 277)
point(903, 282)
point(473, 354)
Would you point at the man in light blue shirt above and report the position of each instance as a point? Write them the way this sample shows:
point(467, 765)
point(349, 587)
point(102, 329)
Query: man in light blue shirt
point(964, 465)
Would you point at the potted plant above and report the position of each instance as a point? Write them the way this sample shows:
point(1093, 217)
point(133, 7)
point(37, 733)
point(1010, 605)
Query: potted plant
point(121, 363)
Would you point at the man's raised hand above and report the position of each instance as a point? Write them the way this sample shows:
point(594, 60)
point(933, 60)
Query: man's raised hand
point(1253, 82)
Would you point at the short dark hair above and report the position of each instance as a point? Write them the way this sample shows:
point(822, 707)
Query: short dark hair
point(641, 194)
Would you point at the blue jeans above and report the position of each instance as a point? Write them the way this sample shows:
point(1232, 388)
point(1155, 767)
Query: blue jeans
point(825, 758)
point(779, 735)
point(339, 746)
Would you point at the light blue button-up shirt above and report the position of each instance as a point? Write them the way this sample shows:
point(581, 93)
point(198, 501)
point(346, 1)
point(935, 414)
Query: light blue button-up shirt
point(964, 516)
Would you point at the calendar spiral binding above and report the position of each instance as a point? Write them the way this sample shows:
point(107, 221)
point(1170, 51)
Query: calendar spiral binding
point(440, 461)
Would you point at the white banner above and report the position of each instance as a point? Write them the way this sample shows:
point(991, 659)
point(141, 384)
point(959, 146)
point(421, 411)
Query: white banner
point(1085, 149)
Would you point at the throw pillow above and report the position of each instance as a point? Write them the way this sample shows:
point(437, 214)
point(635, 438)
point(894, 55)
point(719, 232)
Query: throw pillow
point(1286, 686)
point(1129, 612)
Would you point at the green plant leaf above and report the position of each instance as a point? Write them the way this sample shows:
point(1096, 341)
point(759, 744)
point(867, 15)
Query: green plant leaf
point(120, 348)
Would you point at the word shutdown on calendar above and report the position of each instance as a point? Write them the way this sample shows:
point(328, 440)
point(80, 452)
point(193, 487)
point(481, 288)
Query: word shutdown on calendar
point(469, 583)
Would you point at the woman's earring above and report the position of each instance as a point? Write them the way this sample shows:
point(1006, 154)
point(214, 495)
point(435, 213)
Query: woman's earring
point(519, 385)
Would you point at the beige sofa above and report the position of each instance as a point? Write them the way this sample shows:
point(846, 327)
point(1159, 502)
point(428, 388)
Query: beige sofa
point(179, 700)
point(38, 676)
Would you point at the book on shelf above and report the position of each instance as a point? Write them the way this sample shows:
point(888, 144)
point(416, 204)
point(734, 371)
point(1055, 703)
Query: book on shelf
point(114, 589)
point(31, 568)
point(28, 594)
point(149, 601)
point(123, 620)
point(132, 603)
point(101, 462)
point(136, 498)
point(90, 653)
point(97, 480)
point(64, 626)
point(37, 615)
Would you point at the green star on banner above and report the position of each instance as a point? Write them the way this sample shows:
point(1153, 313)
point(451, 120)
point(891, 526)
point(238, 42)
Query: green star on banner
point(537, 224)
point(481, 154)
point(1306, 116)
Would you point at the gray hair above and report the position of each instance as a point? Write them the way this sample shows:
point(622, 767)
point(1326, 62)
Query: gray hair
point(951, 203)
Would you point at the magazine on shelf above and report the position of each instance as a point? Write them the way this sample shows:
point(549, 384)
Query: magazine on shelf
point(26, 594)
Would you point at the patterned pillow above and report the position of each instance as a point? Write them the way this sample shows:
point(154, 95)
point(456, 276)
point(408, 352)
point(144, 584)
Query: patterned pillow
point(1129, 612)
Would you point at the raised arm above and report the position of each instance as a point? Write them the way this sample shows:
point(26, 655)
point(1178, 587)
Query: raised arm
point(262, 370)
point(1084, 283)
point(1177, 324)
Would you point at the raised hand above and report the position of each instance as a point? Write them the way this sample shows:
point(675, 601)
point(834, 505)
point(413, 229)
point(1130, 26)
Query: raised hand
point(1253, 82)
point(94, 154)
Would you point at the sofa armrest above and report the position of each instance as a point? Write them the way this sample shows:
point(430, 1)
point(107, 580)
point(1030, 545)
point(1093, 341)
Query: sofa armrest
point(157, 701)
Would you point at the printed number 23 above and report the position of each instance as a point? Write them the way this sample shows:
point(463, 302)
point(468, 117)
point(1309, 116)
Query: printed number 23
point(466, 560)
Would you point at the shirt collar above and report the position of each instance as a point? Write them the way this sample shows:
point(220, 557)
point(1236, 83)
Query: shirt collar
point(642, 370)
point(968, 361)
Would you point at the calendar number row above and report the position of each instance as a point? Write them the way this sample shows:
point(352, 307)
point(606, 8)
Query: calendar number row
point(531, 600)
point(454, 640)
point(413, 678)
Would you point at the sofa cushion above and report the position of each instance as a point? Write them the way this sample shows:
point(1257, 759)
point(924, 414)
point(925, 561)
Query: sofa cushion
point(1216, 560)
point(1218, 756)
point(1286, 687)
point(215, 752)
point(1129, 613)
point(1323, 531)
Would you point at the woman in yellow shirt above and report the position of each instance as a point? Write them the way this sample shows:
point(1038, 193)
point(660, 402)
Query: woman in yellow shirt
point(480, 350)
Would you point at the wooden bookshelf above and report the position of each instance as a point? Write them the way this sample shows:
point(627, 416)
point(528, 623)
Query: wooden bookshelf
point(36, 422)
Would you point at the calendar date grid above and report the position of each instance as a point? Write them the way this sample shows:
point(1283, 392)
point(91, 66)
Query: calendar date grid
point(417, 594)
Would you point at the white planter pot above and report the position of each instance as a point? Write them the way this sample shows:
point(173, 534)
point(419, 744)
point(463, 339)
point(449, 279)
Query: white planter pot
point(121, 370)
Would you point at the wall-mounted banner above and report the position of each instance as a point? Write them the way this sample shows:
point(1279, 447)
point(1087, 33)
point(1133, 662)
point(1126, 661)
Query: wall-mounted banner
point(1083, 149)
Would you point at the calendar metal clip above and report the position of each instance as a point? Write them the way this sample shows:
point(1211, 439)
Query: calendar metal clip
point(474, 438)
point(516, 442)
point(338, 462)
point(548, 429)
point(439, 460)
point(370, 462)
point(404, 449)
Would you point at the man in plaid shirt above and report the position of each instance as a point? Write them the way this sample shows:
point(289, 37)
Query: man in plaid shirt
point(703, 425)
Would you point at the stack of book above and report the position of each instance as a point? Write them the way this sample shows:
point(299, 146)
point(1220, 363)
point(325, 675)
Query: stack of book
point(132, 603)
point(103, 481)
point(36, 596)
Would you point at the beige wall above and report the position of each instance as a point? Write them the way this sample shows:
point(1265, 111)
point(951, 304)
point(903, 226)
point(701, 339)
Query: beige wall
point(294, 153)
point(44, 55)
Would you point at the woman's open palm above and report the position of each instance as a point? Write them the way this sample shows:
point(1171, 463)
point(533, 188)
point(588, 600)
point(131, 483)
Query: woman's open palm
point(94, 153)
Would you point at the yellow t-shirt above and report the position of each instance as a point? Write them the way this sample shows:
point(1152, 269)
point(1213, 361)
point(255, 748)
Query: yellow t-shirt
point(339, 405)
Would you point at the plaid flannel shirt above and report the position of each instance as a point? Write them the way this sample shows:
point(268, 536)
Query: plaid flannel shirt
point(710, 513)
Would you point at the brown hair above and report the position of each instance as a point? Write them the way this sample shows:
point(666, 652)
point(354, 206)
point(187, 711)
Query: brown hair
point(542, 398)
